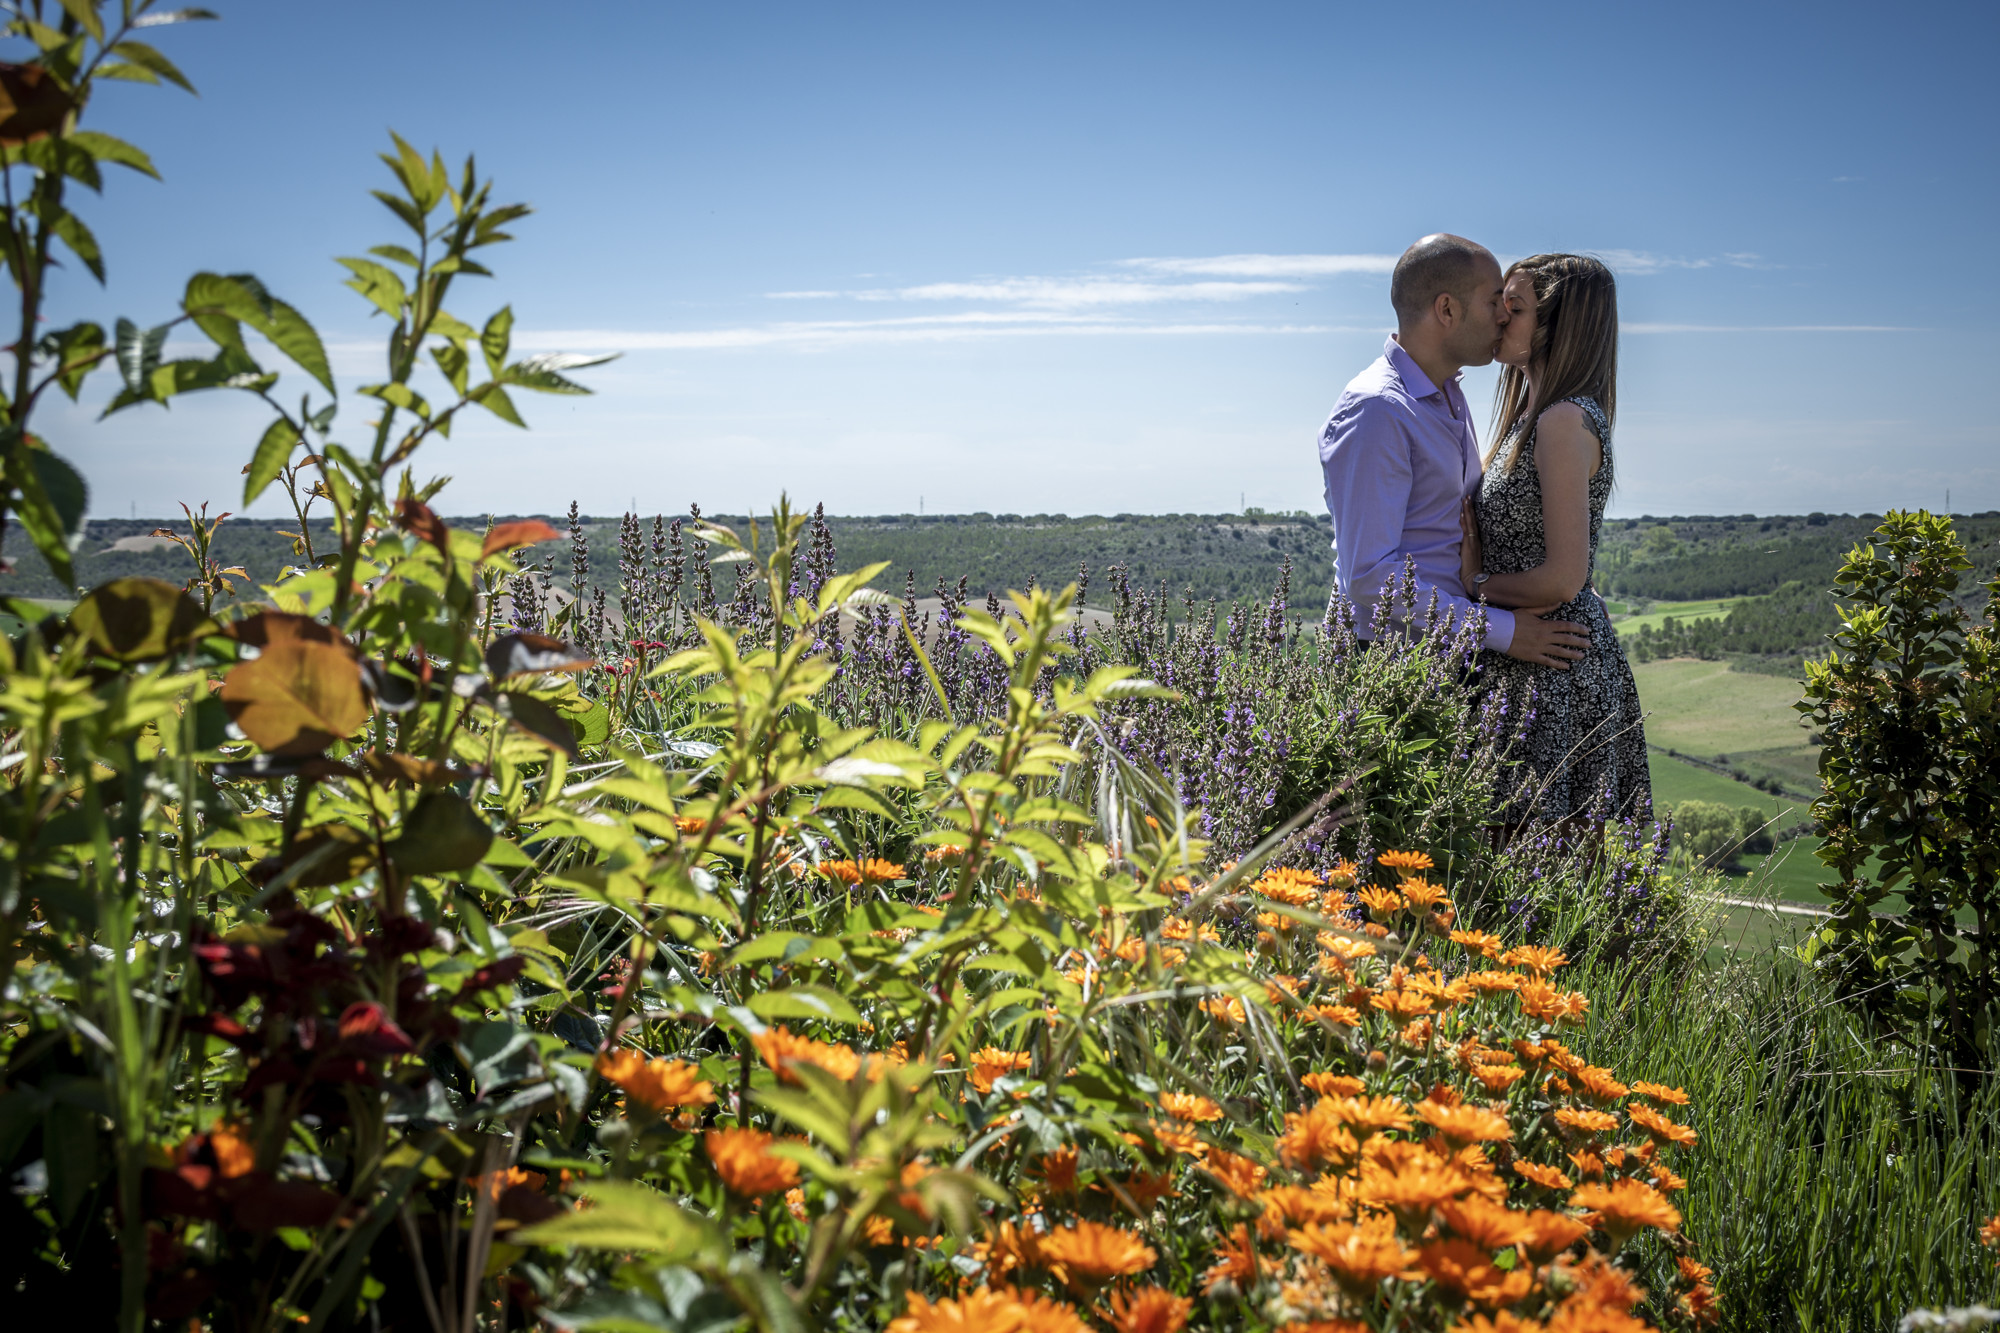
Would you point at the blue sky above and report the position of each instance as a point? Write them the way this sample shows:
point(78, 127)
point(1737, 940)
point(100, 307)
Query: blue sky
point(1088, 258)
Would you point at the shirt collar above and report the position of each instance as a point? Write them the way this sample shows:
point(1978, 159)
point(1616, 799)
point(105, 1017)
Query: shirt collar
point(1407, 370)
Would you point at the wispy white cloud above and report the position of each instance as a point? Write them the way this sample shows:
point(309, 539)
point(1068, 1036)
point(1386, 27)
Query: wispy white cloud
point(940, 328)
point(1645, 261)
point(1268, 266)
point(1769, 328)
point(1061, 293)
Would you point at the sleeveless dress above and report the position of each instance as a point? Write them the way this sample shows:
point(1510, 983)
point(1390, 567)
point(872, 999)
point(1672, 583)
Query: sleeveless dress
point(1584, 750)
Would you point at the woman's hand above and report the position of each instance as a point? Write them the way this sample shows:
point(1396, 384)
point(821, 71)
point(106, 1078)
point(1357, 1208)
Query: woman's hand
point(1471, 559)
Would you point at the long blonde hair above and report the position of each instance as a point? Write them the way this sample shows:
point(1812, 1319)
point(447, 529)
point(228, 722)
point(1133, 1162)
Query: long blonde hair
point(1574, 349)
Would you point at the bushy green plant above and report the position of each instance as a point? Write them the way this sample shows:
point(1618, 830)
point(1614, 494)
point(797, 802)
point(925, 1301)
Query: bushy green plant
point(1909, 707)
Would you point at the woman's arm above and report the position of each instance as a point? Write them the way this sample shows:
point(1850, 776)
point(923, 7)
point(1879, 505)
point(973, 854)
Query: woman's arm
point(1567, 456)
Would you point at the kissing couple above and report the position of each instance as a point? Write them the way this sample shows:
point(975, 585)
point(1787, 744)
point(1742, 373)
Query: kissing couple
point(1512, 531)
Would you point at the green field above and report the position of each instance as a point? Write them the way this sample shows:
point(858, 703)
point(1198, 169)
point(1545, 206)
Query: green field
point(1656, 612)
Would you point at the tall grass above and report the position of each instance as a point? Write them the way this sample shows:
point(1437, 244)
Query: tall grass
point(1841, 1178)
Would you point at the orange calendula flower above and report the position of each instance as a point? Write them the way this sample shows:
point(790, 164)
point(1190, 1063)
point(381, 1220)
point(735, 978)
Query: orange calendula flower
point(1598, 1084)
point(1289, 888)
point(990, 1063)
point(1176, 1137)
point(497, 1183)
point(1660, 1129)
point(1655, 1092)
point(1465, 1270)
point(1091, 1252)
point(1547, 1177)
point(1492, 983)
point(743, 1160)
point(1360, 1255)
point(658, 1085)
point(1141, 1190)
point(1223, 1008)
point(1239, 1175)
point(1489, 1225)
point(1315, 1138)
point(1498, 1078)
point(1412, 1187)
point(1545, 1234)
point(1339, 1015)
point(1625, 1207)
point(690, 824)
point(844, 871)
point(1299, 1205)
point(1542, 1001)
point(1058, 1170)
point(1460, 1125)
point(937, 854)
point(1479, 942)
point(1380, 902)
point(1369, 1115)
point(781, 1049)
point(795, 1202)
point(1187, 1106)
point(235, 1155)
point(1402, 1005)
point(1422, 894)
point(1989, 1234)
point(984, 1309)
point(1588, 1164)
point(1535, 958)
point(1587, 1121)
point(1235, 1261)
point(1405, 860)
point(1149, 1310)
point(1500, 1321)
point(1180, 928)
point(1334, 1085)
point(1666, 1182)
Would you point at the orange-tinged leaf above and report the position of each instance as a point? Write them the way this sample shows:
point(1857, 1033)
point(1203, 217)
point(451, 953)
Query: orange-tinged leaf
point(507, 536)
point(302, 692)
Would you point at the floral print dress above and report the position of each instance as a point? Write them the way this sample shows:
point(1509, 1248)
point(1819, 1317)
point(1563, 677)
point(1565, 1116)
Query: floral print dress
point(1583, 750)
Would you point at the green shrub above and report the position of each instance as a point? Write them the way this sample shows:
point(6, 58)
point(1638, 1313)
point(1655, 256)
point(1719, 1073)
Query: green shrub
point(1909, 706)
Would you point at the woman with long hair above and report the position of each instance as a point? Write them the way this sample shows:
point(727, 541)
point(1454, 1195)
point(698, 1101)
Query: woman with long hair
point(1531, 544)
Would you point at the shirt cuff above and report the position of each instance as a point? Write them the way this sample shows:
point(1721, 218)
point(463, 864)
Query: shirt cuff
point(1499, 629)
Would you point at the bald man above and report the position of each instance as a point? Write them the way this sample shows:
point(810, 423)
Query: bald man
point(1400, 453)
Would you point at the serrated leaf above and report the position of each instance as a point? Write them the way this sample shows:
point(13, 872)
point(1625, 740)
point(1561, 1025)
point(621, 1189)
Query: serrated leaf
point(69, 229)
point(292, 334)
point(302, 692)
point(85, 14)
point(540, 373)
point(626, 1216)
point(147, 58)
point(273, 452)
point(378, 284)
point(453, 363)
point(495, 340)
point(495, 400)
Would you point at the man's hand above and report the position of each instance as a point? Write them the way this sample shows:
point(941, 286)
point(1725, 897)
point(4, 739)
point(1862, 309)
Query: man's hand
point(1549, 643)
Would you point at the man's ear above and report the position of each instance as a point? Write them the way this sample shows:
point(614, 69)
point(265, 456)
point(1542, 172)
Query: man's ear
point(1445, 309)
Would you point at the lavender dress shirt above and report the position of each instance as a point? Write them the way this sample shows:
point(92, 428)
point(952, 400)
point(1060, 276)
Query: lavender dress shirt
point(1399, 454)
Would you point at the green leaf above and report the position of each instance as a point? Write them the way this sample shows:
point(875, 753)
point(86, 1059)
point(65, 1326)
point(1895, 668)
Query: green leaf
point(379, 285)
point(540, 373)
point(69, 229)
point(401, 395)
point(147, 58)
point(139, 619)
point(442, 833)
point(807, 1002)
point(453, 362)
point(273, 452)
point(411, 218)
point(138, 352)
point(51, 506)
point(496, 339)
point(495, 400)
point(76, 350)
point(85, 14)
point(106, 148)
point(291, 334)
point(395, 253)
point(625, 1216)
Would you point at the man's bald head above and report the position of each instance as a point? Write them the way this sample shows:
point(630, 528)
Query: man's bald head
point(1433, 266)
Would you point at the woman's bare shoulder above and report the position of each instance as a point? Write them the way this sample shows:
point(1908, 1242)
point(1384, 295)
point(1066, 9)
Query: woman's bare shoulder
point(1563, 437)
